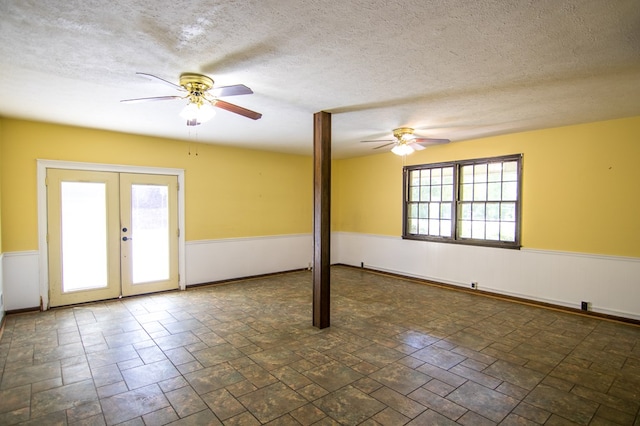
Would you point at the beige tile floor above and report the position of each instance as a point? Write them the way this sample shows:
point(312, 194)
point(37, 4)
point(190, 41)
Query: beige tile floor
point(397, 352)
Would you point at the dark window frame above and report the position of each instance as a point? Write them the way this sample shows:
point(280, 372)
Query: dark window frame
point(456, 204)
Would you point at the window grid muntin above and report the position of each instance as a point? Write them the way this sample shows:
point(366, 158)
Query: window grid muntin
point(494, 178)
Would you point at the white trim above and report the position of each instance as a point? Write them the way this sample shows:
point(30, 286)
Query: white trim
point(579, 254)
point(43, 165)
point(242, 239)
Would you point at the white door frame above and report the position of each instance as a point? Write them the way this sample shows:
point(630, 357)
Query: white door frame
point(43, 259)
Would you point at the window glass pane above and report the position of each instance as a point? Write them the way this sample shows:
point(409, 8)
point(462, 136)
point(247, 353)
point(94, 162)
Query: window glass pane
point(434, 227)
point(414, 195)
point(423, 226)
point(83, 210)
point(495, 172)
point(447, 193)
point(445, 228)
point(467, 192)
point(414, 177)
point(479, 191)
point(413, 210)
point(507, 231)
point(478, 211)
point(465, 229)
point(445, 211)
point(466, 174)
point(434, 210)
point(509, 190)
point(494, 192)
point(510, 171)
point(477, 230)
point(493, 211)
point(436, 193)
point(480, 173)
point(423, 211)
point(413, 226)
point(493, 231)
point(425, 177)
point(436, 176)
point(447, 175)
point(424, 193)
point(465, 211)
point(508, 212)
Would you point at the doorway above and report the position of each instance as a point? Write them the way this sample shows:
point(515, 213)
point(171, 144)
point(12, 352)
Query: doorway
point(110, 234)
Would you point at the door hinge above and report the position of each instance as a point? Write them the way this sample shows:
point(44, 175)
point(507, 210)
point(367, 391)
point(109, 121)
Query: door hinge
point(178, 232)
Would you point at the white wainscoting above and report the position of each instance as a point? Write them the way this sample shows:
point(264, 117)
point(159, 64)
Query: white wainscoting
point(610, 284)
point(217, 260)
point(1, 288)
point(206, 261)
point(20, 280)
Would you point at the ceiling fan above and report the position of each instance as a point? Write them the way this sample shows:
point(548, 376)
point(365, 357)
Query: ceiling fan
point(405, 143)
point(201, 96)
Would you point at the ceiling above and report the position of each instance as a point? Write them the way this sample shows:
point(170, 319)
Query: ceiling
point(455, 69)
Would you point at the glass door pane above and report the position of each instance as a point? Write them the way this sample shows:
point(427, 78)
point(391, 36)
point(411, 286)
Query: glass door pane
point(150, 233)
point(84, 235)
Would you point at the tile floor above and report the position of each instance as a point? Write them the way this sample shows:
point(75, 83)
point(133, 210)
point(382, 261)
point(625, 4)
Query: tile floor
point(397, 352)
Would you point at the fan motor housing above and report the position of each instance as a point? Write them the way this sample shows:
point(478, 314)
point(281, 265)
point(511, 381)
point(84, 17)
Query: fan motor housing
point(195, 82)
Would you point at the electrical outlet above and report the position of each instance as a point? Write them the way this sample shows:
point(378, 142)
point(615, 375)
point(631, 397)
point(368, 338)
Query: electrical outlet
point(362, 264)
point(474, 285)
point(584, 306)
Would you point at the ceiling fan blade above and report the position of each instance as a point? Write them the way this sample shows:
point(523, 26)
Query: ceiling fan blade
point(155, 98)
point(378, 141)
point(430, 141)
point(416, 146)
point(237, 89)
point(237, 109)
point(162, 80)
point(386, 144)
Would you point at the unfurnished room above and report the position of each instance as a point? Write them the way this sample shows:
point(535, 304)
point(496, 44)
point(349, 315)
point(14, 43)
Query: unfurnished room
point(320, 212)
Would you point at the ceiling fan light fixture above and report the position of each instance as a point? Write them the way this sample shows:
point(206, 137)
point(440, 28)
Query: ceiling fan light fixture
point(402, 149)
point(198, 113)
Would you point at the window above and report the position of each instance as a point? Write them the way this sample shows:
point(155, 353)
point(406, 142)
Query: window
point(470, 202)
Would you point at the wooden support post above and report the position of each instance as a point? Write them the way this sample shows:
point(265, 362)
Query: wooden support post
point(321, 218)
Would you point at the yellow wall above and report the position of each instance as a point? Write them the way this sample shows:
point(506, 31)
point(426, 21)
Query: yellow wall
point(580, 186)
point(229, 192)
point(1, 125)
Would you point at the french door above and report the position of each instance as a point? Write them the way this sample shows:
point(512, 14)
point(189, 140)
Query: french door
point(110, 234)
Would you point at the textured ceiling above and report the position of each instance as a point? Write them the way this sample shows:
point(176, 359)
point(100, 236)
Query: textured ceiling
point(454, 69)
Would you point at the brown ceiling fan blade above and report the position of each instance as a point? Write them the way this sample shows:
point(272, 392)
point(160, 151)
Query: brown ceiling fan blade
point(155, 98)
point(237, 109)
point(161, 80)
point(237, 89)
point(430, 141)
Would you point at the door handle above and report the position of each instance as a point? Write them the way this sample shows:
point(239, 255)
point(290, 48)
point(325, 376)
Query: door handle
point(126, 238)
